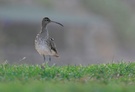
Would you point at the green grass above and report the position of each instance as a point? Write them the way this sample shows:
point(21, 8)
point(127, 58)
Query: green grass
point(115, 77)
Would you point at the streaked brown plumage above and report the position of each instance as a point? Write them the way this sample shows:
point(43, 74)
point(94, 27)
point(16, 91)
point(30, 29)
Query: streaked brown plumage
point(44, 44)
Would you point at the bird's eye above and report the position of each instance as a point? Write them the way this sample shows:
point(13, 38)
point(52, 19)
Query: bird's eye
point(46, 19)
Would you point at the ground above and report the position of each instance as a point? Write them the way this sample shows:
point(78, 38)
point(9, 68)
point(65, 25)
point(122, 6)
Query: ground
point(113, 77)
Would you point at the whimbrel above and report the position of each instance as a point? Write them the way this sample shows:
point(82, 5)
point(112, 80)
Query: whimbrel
point(44, 44)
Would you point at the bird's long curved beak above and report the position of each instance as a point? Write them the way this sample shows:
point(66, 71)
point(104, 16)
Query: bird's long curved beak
point(57, 23)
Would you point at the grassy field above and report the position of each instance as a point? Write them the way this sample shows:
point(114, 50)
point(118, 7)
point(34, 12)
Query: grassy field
point(115, 77)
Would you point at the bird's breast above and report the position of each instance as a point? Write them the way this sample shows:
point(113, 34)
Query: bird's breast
point(42, 47)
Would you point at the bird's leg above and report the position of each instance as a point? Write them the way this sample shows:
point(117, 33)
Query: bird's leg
point(49, 58)
point(44, 58)
point(43, 64)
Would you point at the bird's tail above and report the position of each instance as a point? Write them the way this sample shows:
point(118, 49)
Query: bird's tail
point(56, 55)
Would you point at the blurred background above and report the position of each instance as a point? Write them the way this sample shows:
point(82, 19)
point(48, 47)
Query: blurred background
point(95, 31)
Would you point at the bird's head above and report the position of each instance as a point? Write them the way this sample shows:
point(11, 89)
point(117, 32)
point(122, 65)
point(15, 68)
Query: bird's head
point(46, 21)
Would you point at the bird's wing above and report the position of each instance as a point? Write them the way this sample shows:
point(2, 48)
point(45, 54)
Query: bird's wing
point(52, 45)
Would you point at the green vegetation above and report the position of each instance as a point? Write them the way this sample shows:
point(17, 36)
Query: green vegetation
point(115, 77)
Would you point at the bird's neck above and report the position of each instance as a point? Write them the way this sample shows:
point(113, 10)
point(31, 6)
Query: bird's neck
point(44, 32)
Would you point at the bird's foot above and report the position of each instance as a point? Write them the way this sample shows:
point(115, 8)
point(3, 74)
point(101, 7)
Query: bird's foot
point(43, 65)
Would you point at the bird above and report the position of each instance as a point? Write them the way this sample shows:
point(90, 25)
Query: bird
point(44, 44)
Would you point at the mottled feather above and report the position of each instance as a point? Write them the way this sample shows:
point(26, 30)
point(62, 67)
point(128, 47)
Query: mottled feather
point(52, 46)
